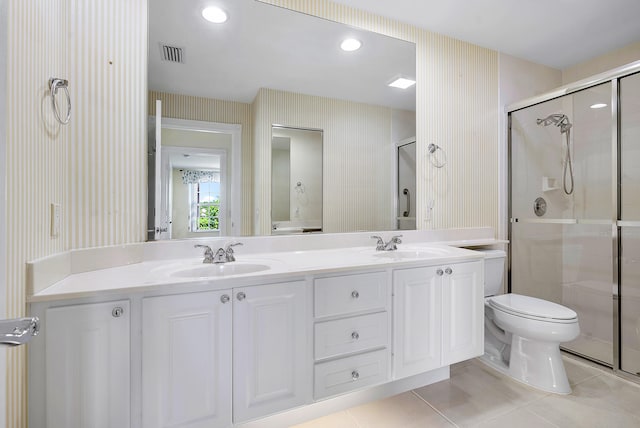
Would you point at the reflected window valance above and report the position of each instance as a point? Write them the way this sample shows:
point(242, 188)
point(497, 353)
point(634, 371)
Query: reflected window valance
point(193, 176)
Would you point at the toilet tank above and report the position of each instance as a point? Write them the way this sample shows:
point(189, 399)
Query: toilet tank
point(493, 271)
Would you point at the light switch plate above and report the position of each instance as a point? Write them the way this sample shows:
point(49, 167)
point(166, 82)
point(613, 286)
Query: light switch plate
point(55, 220)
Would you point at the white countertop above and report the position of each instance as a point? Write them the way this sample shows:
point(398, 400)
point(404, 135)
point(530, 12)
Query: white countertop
point(278, 266)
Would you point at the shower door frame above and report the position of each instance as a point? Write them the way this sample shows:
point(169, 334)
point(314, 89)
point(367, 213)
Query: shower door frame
point(612, 76)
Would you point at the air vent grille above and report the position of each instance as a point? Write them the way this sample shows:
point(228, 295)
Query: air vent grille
point(172, 53)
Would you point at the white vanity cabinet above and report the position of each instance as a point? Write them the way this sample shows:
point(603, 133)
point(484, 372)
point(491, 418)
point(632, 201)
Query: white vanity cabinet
point(438, 316)
point(201, 349)
point(186, 360)
point(271, 349)
point(87, 373)
point(351, 332)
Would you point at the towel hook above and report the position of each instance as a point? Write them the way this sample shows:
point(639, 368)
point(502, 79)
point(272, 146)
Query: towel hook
point(54, 84)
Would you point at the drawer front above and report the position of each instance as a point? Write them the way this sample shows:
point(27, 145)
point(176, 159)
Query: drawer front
point(349, 335)
point(342, 295)
point(347, 374)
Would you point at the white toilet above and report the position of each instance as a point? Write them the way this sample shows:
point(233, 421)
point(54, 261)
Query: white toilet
point(523, 334)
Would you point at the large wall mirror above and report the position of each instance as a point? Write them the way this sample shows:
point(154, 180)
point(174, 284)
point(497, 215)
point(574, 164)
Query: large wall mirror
point(269, 71)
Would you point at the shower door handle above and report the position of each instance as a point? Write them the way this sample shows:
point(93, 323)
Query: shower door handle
point(405, 191)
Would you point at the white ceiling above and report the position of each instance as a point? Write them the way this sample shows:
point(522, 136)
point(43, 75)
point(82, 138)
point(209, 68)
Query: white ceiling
point(556, 33)
point(263, 46)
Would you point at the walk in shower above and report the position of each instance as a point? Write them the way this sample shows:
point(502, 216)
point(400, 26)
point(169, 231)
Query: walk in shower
point(574, 208)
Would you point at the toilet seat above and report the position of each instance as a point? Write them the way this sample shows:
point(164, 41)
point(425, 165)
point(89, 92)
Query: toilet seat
point(532, 308)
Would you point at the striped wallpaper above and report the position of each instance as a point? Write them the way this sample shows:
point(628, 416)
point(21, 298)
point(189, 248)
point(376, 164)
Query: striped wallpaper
point(95, 166)
point(211, 110)
point(357, 177)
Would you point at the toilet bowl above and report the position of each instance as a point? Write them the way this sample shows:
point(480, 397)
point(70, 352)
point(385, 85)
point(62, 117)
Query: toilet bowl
point(523, 334)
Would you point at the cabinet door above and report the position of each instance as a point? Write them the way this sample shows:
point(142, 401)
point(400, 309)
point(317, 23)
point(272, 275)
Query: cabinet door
point(271, 348)
point(463, 317)
point(186, 360)
point(417, 322)
point(87, 366)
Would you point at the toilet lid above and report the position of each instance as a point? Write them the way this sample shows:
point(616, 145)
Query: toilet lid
point(530, 306)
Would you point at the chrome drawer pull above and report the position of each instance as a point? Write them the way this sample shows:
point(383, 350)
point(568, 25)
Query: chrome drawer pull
point(355, 294)
point(355, 335)
point(224, 298)
point(355, 375)
point(448, 271)
point(241, 296)
point(439, 272)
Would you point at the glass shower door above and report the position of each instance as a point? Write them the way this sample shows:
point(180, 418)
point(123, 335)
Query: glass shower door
point(562, 211)
point(630, 224)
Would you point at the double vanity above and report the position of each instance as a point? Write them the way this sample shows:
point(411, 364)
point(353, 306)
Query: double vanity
point(271, 339)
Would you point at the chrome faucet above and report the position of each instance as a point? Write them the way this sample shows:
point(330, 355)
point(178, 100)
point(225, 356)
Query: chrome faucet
point(389, 246)
point(222, 255)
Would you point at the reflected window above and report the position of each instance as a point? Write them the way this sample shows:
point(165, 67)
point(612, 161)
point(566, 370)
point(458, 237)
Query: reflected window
point(205, 202)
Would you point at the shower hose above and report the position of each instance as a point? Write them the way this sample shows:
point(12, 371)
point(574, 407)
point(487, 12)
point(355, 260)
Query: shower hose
point(568, 167)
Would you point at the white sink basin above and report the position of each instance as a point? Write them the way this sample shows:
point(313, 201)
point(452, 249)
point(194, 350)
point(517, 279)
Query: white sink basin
point(422, 253)
point(219, 270)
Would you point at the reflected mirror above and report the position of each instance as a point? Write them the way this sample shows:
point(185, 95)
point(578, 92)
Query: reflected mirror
point(296, 180)
point(268, 65)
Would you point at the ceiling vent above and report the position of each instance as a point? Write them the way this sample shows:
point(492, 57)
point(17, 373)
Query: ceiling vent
point(172, 53)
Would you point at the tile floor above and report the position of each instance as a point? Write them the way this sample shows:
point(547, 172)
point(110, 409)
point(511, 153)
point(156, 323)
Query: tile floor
point(477, 396)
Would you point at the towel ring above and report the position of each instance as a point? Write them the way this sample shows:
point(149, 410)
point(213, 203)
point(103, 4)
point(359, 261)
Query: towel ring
point(54, 84)
point(438, 163)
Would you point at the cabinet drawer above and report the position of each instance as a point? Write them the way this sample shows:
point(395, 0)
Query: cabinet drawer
point(341, 295)
point(344, 336)
point(346, 374)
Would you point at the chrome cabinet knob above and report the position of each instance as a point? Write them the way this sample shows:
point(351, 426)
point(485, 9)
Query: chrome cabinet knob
point(355, 375)
point(448, 271)
point(241, 296)
point(224, 298)
point(117, 312)
point(355, 335)
point(355, 294)
point(439, 272)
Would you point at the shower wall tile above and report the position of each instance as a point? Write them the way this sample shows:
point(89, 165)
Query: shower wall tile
point(457, 109)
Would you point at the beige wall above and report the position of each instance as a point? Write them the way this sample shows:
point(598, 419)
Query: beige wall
point(95, 166)
point(602, 63)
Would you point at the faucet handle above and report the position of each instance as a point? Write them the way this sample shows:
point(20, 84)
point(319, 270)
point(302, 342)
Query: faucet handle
point(396, 239)
point(380, 243)
point(229, 251)
point(207, 249)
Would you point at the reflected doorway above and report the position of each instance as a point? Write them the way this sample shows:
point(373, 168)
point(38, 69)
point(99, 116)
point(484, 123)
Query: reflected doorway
point(406, 190)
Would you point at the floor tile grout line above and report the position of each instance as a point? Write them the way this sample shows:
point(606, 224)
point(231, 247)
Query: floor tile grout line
point(435, 410)
point(353, 418)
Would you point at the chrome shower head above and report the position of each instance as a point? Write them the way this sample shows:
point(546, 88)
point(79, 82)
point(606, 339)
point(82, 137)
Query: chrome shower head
point(559, 120)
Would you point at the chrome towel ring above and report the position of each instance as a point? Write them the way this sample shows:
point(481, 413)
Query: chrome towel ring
point(437, 160)
point(56, 83)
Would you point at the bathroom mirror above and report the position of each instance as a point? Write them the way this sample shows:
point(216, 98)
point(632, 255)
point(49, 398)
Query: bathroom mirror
point(268, 65)
point(296, 180)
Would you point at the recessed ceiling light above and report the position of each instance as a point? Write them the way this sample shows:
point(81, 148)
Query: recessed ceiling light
point(598, 105)
point(350, 45)
point(402, 83)
point(214, 14)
